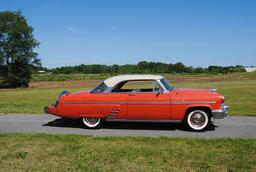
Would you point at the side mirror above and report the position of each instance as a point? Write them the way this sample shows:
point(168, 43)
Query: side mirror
point(159, 92)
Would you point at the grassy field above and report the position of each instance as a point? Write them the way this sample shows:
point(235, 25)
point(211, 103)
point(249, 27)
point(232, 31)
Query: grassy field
point(25, 152)
point(239, 89)
point(181, 77)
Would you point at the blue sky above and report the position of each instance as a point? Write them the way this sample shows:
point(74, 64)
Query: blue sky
point(195, 32)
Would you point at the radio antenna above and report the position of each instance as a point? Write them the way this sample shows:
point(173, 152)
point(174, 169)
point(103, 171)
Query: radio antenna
point(177, 82)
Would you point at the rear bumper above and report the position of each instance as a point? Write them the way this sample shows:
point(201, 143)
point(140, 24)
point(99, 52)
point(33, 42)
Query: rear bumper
point(50, 110)
point(221, 113)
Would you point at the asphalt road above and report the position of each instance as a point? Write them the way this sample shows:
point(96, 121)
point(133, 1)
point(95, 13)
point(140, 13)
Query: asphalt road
point(230, 127)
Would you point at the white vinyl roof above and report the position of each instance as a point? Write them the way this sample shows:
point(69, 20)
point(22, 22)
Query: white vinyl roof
point(112, 81)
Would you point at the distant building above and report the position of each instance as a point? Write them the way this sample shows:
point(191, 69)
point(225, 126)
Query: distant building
point(250, 68)
point(41, 72)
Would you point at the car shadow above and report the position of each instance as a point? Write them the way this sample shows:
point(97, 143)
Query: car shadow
point(75, 123)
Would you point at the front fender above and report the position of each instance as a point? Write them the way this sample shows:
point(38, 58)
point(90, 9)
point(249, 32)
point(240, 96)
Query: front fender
point(178, 111)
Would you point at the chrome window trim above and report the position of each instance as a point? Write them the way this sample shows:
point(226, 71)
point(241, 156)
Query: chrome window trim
point(162, 86)
point(110, 89)
point(158, 82)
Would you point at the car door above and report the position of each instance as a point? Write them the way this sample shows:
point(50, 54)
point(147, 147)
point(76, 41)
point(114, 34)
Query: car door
point(110, 105)
point(144, 103)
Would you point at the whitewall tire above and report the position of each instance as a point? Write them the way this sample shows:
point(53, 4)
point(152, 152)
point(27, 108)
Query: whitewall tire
point(198, 120)
point(91, 122)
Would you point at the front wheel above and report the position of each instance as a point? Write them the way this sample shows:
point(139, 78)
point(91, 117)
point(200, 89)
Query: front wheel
point(91, 122)
point(198, 120)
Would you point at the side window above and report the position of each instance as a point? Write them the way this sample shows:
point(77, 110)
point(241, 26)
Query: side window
point(138, 86)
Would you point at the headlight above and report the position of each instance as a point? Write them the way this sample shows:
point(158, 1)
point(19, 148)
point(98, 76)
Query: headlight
point(214, 90)
point(222, 99)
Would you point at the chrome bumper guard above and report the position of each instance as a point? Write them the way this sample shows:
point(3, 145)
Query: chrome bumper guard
point(221, 113)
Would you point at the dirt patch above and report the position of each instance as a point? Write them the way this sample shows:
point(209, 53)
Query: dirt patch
point(61, 84)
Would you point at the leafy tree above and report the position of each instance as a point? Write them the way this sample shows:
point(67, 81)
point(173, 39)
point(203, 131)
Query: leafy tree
point(16, 50)
point(179, 67)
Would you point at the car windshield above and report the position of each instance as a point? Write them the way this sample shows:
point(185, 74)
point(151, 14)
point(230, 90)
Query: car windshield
point(166, 84)
point(100, 88)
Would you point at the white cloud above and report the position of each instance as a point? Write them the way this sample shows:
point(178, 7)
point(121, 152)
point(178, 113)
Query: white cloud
point(71, 29)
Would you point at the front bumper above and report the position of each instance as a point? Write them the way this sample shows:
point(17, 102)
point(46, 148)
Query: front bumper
point(221, 113)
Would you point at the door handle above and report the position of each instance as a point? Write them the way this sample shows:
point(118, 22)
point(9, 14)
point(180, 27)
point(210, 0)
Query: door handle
point(131, 94)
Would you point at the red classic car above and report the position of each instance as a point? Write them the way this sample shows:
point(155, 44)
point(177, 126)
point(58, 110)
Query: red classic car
point(140, 98)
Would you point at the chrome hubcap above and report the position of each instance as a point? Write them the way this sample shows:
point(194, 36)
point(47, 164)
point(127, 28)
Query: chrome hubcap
point(197, 119)
point(92, 121)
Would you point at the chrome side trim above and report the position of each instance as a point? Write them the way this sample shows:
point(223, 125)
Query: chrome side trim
point(91, 103)
point(148, 103)
point(181, 103)
point(140, 103)
point(151, 121)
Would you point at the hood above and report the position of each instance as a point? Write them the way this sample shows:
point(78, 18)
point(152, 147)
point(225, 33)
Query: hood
point(207, 95)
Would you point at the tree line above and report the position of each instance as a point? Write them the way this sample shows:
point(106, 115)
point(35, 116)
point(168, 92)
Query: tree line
point(143, 67)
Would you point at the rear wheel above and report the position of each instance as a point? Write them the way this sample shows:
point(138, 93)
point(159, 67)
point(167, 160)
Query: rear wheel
point(91, 122)
point(198, 120)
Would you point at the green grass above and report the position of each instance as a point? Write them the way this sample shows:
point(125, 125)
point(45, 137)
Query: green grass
point(41, 152)
point(239, 89)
